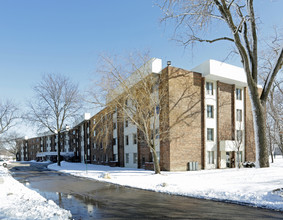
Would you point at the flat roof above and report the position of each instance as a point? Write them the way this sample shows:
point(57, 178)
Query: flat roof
point(219, 71)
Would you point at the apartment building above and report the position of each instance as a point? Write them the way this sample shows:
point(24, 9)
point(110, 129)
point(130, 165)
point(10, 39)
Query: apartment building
point(204, 122)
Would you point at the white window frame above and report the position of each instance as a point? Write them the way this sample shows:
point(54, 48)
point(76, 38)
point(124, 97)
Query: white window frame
point(127, 158)
point(210, 134)
point(210, 111)
point(209, 88)
point(210, 157)
point(134, 138)
point(135, 158)
point(239, 115)
point(238, 94)
point(114, 125)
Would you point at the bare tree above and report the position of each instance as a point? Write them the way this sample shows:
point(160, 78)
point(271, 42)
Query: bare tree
point(56, 102)
point(240, 29)
point(275, 98)
point(8, 115)
point(138, 98)
point(238, 141)
point(275, 114)
point(8, 142)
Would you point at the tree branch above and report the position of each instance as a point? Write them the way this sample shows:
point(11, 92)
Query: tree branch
point(271, 76)
point(194, 38)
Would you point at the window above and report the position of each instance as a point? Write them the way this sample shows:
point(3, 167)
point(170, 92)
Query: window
point(239, 115)
point(210, 134)
point(126, 123)
point(127, 140)
point(239, 135)
point(157, 109)
point(135, 157)
point(134, 138)
point(94, 146)
point(238, 94)
point(114, 141)
point(156, 133)
point(209, 88)
point(94, 157)
point(211, 157)
point(209, 111)
point(114, 157)
point(127, 158)
point(94, 133)
point(114, 125)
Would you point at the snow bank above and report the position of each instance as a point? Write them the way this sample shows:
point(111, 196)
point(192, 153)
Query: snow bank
point(250, 186)
point(19, 202)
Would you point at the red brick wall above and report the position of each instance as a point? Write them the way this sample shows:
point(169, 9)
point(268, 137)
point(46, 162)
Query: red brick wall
point(185, 112)
point(164, 121)
point(226, 111)
point(144, 154)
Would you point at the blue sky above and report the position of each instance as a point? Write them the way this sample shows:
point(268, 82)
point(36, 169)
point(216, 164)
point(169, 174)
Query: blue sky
point(66, 36)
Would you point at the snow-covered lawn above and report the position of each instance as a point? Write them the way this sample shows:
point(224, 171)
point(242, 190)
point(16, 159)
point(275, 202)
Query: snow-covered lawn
point(250, 186)
point(20, 202)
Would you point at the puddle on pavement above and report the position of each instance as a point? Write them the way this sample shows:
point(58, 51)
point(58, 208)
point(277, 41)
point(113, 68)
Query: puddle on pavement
point(79, 208)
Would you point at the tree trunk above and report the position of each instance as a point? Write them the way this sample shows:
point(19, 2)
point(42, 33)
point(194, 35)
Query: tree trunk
point(281, 141)
point(259, 111)
point(155, 162)
point(270, 145)
point(238, 159)
point(59, 150)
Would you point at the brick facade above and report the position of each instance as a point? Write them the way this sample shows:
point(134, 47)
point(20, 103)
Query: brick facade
point(184, 115)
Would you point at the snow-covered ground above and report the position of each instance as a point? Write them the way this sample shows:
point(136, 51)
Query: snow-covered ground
point(20, 202)
point(250, 186)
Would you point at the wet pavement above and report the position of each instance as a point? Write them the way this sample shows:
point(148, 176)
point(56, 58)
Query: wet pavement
point(88, 199)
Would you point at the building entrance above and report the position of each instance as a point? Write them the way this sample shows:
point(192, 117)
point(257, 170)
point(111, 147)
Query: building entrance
point(230, 159)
